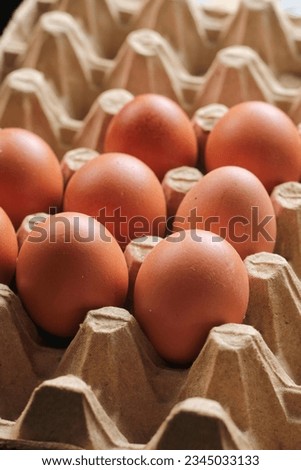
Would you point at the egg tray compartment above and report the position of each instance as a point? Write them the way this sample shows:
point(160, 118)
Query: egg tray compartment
point(110, 390)
point(57, 57)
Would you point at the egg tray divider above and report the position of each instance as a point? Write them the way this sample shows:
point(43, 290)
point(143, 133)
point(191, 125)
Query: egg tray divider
point(57, 57)
point(110, 390)
point(71, 74)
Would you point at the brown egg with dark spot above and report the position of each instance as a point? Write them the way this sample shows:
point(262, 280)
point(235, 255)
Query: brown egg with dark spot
point(8, 248)
point(231, 202)
point(156, 130)
point(123, 194)
point(30, 175)
point(68, 265)
point(190, 282)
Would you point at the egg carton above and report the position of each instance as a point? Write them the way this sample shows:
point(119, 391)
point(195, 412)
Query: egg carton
point(242, 392)
point(66, 68)
point(58, 57)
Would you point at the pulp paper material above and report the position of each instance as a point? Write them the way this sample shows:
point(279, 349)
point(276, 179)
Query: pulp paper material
point(196, 54)
point(242, 392)
point(66, 68)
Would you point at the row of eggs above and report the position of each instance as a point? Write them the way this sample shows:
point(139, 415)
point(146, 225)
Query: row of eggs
point(195, 278)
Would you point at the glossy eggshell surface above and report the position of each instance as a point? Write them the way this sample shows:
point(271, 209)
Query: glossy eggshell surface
point(156, 130)
point(8, 248)
point(259, 137)
point(68, 265)
point(231, 202)
point(190, 282)
point(30, 175)
point(122, 192)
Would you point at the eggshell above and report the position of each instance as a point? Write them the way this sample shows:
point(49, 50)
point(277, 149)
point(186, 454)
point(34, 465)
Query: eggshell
point(259, 137)
point(68, 265)
point(189, 282)
point(232, 202)
point(122, 192)
point(156, 130)
point(30, 175)
point(8, 248)
point(27, 225)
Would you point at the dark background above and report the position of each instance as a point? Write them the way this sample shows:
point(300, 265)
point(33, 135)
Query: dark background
point(5, 13)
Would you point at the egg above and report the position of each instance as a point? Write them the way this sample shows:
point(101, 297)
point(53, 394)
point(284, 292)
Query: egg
point(231, 202)
point(68, 265)
point(190, 282)
point(156, 130)
point(30, 175)
point(122, 193)
point(259, 137)
point(8, 248)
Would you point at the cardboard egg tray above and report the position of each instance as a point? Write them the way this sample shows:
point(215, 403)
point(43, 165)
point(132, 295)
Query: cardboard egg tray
point(66, 68)
point(57, 58)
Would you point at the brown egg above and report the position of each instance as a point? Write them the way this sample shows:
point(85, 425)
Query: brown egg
point(156, 130)
point(30, 175)
point(68, 265)
point(259, 137)
point(231, 202)
point(122, 192)
point(8, 248)
point(189, 282)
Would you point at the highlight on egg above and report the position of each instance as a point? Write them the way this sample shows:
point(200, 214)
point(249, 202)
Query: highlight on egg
point(68, 265)
point(190, 282)
point(259, 137)
point(231, 202)
point(156, 130)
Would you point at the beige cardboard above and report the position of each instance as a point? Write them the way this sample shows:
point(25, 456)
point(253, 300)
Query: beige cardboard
point(66, 68)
